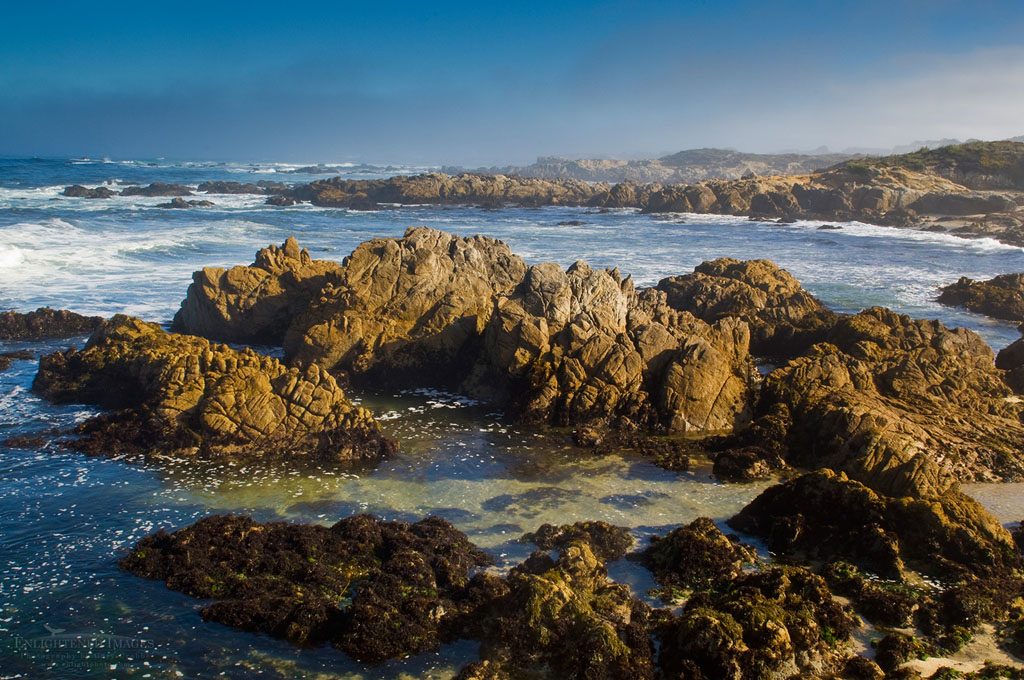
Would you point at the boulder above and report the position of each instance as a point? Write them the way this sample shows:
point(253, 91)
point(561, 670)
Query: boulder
point(1001, 297)
point(78, 191)
point(825, 515)
point(157, 189)
point(608, 542)
point(784, 318)
point(378, 590)
point(255, 303)
point(406, 310)
point(576, 346)
point(697, 555)
point(907, 407)
point(45, 323)
point(182, 395)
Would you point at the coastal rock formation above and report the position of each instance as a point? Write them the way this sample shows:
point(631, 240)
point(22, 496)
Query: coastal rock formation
point(377, 590)
point(45, 323)
point(566, 616)
point(784, 318)
point(825, 515)
point(78, 191)
point(608, 542)
point(7, 358)
point(157, 189)
point(1001, 297)
point(257, 303)
point(1011, 360)
point(181, 395)
point(696, 556)
point(406, 310)
point(777, 623)
point(181, 204)
point(223, 187)
point(907, 407)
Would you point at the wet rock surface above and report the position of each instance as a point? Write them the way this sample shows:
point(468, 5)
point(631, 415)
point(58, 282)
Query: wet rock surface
point(7, 358)
point(255, 303)
point(45, 323)
point(608, 542)
point(182, 395)
point(1001, 297)
point(697, 555)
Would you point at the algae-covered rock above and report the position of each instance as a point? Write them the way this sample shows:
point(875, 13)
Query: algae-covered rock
point(45, 323)
point(255, 303)
point(783, 317)
point(825, 515)
point(608, 542)
point(778, 623)
point(697, 555)
point(376, 589)
point(181, 394)
point(1001, 297)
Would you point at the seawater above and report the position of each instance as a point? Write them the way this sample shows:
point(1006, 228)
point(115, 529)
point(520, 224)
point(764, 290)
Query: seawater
point(65, 519)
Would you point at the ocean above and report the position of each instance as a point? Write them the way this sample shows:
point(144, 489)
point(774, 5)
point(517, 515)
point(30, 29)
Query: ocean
point(65, 519)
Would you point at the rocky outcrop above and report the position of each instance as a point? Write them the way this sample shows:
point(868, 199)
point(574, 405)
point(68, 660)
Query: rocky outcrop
point(181, 204)
point(1001, 297)
point(696, 556)
point(161, 189)
point(579, 345)
point(825, 515)
point(78, 191)
point(406, 310)
point(7, 358)
point(378, 590)
point(1011, 360)
point(45, 323)
point(608, 542)
point(181, 395)
point(784, 318)
point(907, 407)
point(256, 303)
point(223, 187)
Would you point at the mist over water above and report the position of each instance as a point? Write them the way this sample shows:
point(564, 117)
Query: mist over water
point(65, 519)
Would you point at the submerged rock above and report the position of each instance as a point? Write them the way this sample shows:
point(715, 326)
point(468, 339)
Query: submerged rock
point(179, 394)
point(78, 191)
point(1001, 297)
point(783, 317)
point(378, 590)
point(45, 323)
point(255, 303)
point(907, 407)
point(181, 203)
point(157, 189)
point(825, 515)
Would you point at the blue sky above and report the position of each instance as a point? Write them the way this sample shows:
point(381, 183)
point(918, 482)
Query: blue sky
point(471, 83)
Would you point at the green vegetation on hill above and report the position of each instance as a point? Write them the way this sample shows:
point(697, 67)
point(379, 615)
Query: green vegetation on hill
point(977, 165)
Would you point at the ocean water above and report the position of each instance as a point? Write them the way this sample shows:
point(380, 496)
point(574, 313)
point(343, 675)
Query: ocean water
point(65, 518)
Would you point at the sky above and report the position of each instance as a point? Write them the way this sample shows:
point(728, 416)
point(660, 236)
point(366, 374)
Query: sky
point(475, 83)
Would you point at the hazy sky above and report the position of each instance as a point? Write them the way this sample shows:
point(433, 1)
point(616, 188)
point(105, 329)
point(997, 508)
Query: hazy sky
point(451, 82)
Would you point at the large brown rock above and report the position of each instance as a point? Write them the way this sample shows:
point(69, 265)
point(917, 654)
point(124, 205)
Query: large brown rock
point(784, 318)
point(182, 395)
point(406, 309)
point(254, 303)
point(1011, 360)
point(905, 406)
point(45, 323)
point(582, 345)
point(825, 515)
point(1001, 297)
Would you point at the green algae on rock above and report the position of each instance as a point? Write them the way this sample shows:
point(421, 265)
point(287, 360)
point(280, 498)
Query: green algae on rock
point(184, 395)
point(45, 323)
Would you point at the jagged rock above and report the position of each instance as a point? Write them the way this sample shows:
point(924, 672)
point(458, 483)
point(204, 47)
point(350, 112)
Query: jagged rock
point(783, 317)
point(181, 204)
point(777, 623)
point(255, 303)
point(406, 310)
point(377, 590)
point(179, 394)
point(825, 515)
point(78, 191)
point(905, 406)
point(745, 465)
point(566, 616)
point(45, 323)
point(157, 189)
point(608, 542)
point(281, 201)
point(579, 345)
point(697, 555)
point(884, 603)
point(1001, 297)
point(7, 357)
